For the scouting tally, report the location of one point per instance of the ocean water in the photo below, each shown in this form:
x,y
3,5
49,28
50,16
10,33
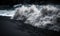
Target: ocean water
x,y
41,16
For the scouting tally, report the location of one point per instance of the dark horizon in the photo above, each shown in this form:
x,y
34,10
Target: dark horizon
x,y
13,2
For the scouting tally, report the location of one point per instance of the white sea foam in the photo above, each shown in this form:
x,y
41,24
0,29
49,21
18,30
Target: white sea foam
x,y
36,15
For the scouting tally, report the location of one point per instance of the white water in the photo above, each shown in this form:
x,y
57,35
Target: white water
x,y
36,15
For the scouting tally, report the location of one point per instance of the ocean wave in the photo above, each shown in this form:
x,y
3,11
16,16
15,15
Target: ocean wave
x,y
37,15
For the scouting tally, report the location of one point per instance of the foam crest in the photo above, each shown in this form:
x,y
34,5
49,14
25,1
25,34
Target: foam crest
x,y
38,15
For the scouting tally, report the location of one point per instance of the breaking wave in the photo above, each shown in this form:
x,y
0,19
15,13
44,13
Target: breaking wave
x,y
42,16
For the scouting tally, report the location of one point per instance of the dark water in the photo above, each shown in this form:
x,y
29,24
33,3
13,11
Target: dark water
x,y
19,28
